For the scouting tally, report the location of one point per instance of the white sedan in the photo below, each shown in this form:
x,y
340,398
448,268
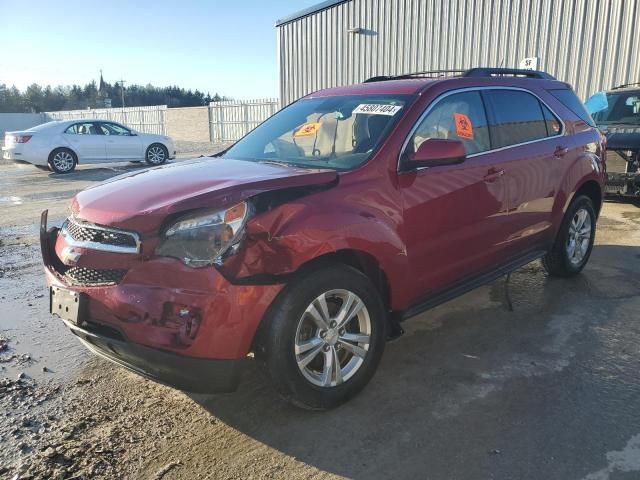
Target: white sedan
x,y
61,145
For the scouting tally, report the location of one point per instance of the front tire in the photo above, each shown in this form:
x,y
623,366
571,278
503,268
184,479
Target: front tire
x,y
63,160
156,154
323,337
574,242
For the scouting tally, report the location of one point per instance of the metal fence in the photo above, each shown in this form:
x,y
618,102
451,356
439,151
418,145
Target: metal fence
x,y
228,121
144,119
232,120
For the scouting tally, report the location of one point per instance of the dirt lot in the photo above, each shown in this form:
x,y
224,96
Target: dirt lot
x,y
472,391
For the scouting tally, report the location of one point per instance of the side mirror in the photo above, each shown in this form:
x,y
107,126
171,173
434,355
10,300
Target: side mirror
x,y
133,133
596,102
435,152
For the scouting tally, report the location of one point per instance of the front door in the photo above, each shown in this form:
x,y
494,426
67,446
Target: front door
x,y
86,140
454,215
122,144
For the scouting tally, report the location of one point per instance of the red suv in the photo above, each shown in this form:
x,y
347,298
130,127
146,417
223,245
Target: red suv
x,y
307,241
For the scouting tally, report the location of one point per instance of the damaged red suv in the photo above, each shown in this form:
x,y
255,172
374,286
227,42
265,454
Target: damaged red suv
x,y
310,239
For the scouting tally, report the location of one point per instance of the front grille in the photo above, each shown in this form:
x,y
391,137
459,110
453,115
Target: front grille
x,y
109,239
81,276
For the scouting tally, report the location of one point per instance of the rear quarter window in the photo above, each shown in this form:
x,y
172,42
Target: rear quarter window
x,y
570,100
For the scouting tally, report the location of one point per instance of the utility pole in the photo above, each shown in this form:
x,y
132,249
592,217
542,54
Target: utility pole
x,y
122,91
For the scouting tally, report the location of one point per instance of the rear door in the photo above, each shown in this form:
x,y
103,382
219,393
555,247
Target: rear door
x,y
121,143
86,139
530,148
453,214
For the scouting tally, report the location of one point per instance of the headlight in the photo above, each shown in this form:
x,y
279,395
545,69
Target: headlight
x,y
201,238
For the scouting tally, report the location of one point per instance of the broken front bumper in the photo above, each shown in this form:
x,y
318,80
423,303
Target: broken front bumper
x,y
197,375
189,328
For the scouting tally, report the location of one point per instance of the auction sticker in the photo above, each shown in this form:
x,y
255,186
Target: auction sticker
x,y
464,128
307,129
377,109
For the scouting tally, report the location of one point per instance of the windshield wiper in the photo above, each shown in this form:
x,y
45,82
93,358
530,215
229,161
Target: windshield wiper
x,y
276,162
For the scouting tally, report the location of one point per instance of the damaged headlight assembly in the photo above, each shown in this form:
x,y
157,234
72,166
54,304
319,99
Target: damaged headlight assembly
x,y
201,238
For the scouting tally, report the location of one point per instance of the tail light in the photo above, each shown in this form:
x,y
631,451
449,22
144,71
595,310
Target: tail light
x,y
21,138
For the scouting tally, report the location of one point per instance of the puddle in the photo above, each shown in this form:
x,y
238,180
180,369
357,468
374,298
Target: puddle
x,y
13,200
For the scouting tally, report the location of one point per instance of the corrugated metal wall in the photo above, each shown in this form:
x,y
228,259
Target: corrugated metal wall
x,y
592,44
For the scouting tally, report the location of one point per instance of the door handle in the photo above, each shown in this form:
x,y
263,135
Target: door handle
x,y
560,151
493,174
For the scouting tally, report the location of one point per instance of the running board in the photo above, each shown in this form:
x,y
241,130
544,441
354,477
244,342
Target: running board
x,y
465,286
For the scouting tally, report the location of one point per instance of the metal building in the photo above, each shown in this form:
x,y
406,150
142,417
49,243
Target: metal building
x,y
592,44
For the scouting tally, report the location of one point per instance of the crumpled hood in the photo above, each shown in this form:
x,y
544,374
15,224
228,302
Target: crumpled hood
x,y
622,137
141,200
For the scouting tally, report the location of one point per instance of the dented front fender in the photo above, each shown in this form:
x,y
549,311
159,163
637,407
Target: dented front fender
x,y
279,242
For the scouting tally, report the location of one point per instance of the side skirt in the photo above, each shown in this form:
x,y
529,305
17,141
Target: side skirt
x,y
469,284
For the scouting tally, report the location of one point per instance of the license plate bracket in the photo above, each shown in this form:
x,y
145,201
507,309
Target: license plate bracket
x,y
68,305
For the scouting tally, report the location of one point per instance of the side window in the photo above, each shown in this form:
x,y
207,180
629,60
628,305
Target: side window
x,y
553,124
460,116
87,128
113,129
517,117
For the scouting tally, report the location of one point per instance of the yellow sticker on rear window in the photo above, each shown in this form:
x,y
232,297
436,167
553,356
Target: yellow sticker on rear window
x,y
308,129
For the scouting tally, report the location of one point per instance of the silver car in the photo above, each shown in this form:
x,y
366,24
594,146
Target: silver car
x,y
61,145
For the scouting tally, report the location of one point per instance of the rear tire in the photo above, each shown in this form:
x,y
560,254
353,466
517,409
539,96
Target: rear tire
x,y
156,154
63,160
574,242
316,357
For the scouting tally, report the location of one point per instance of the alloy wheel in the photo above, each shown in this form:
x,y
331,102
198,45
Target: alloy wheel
x,y
63,161
156,155
333,338
579,237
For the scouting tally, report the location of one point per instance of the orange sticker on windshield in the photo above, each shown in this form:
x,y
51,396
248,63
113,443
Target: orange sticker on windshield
x,y
307,129
464,128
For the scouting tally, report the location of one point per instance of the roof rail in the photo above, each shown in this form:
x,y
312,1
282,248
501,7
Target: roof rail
x,y
624,85
490,72
473,72
404,76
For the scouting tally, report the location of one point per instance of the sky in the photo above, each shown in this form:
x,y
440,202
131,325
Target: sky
x,y
217,46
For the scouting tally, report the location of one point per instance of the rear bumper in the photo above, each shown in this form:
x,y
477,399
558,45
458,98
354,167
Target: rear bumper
x,y
197,375
18,153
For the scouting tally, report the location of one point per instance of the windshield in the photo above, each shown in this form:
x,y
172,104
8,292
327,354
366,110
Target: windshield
x,y
328,132
621,108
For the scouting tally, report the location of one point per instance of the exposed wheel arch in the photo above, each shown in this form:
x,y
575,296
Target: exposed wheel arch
x,y
591,189
358,259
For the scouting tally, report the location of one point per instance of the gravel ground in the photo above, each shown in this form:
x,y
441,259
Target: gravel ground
x,y
472,391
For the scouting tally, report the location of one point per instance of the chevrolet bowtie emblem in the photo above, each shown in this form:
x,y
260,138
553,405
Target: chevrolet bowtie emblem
x,y
69,256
